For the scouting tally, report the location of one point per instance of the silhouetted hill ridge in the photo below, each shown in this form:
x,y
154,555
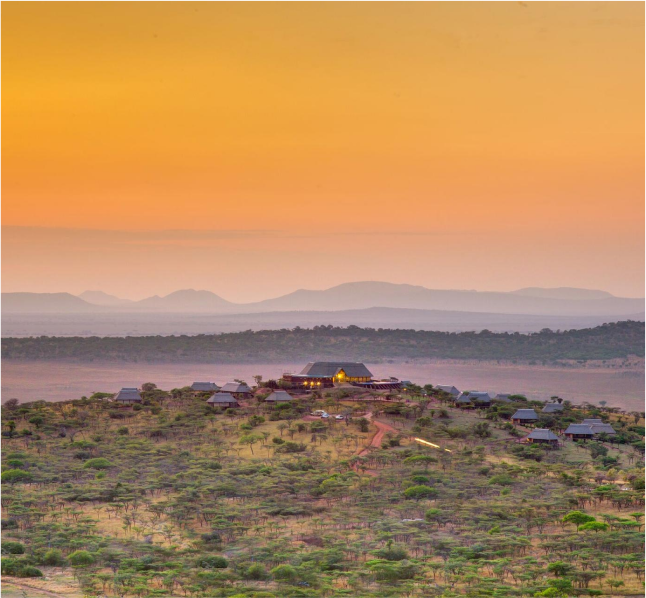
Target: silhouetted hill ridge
x,y
357,295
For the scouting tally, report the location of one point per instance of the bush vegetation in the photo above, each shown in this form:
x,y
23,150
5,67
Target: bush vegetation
x,y
609,341
264,501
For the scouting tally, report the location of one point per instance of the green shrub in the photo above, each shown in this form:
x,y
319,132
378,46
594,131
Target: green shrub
x,y
30,571
211,562
19,568
12,548
284,573
13,476
10,566
16,455
97,463
419,492
425,460
363,424
256,572
81,558
597,450
638,483
53,558
389,571
291,447
502,479
391,553
421,479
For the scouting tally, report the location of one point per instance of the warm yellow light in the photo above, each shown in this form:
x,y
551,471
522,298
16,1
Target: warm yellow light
x,y
427,443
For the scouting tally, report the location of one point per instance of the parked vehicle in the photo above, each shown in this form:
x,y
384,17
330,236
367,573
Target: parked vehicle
x,y
325,416
339,417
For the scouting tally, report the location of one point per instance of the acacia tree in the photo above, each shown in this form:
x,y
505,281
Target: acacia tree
x,y
578,518
250,440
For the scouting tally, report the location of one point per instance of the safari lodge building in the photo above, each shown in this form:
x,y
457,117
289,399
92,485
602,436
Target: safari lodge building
x,y
326,374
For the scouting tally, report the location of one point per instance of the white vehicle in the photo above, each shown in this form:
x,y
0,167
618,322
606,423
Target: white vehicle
x,y
325,415
339,417
318,412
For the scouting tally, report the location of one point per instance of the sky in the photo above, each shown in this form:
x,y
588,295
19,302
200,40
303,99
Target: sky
x,y
253,149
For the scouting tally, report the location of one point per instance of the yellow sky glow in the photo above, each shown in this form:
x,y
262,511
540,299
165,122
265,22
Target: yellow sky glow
x,y
408,117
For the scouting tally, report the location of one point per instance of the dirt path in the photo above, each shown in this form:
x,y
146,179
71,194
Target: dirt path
x,y
21,585
382,428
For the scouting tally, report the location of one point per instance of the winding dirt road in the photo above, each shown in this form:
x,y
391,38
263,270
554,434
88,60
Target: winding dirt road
x,y
378,437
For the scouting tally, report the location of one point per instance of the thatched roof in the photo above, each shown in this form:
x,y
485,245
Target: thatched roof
x,y
525,414
205,387
279,396
221,397
128,395
448,389
579,429
234,387
473,397
543,434
329,369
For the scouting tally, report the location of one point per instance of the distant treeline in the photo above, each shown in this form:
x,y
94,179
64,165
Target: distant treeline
x,y
609,341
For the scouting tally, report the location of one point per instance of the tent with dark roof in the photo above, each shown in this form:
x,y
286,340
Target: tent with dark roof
x,y
475,398
236,388
502,397
542,436
553,408
575,431
524,416
598,427
205,387
480,398
279,396
128,396
222,399
463,399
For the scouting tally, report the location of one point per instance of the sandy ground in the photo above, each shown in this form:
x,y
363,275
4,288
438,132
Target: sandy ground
x,y
56,381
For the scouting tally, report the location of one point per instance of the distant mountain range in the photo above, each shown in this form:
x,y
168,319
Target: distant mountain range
x,y
563,301
101,298
46,303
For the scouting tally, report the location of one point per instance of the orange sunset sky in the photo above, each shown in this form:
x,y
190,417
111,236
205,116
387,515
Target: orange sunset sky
x,y
255,148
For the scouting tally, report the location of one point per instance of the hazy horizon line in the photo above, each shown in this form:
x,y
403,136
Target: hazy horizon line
x,y
252,264
323,288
